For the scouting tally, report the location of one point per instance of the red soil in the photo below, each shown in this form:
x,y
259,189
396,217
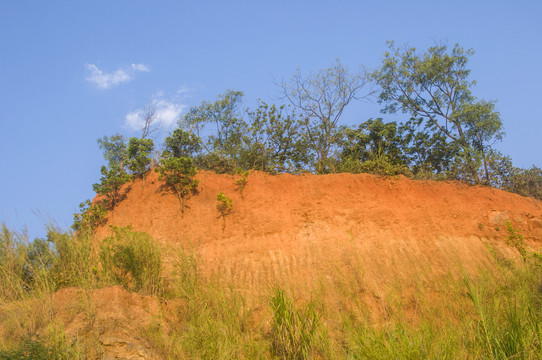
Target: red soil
x,y
307,231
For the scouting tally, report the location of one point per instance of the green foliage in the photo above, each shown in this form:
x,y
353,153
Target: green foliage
x,y
435,87
179,172
242,182
114,150
374,147
89,217
24,265
218,163
75,263
526,182
138,159
224,204
133,260
113,178
181,144
274,141
293,329
110,186
223,121
515,239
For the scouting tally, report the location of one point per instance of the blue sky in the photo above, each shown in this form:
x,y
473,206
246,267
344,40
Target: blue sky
x,y
74,71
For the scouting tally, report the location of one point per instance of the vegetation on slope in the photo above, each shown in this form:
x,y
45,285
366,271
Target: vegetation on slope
x,y
491,316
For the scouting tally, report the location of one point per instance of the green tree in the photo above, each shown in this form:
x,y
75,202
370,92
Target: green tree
x,y
526,182
110,185
428,153
179,172
322,97
374,147
274,141
223,120
138,158
181,144
114,150
436,88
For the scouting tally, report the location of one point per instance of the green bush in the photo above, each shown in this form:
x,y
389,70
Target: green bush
x,y
133,260
242,182
179,173
216,162
89,217
224,204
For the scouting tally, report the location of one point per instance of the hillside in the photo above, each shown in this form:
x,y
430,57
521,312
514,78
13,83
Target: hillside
x,y
310,231
329,267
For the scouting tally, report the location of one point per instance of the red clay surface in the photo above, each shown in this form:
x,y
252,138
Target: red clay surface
x,y
305,231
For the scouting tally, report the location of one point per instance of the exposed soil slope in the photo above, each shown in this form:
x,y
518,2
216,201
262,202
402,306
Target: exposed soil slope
x,y
307,230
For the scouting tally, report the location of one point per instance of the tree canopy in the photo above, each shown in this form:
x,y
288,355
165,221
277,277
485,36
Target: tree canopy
x,y
435,87
448,133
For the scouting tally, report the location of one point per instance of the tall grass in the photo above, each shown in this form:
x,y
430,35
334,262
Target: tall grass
x,y
30,272
497,315
133,260
294,329
205,320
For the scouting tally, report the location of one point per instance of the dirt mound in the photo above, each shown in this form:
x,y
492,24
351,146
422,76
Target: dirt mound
x,y
115,318
307,230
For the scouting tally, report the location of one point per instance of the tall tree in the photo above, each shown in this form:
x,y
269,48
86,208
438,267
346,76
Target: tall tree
x,y
139,155
222,119
436,87
322,98
114,150
274,140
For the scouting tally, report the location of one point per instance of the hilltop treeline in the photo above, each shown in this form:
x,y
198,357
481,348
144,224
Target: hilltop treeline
x,y
448,135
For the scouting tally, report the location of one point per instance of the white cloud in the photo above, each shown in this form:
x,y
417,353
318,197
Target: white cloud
x,y
167,113
140,67
106,80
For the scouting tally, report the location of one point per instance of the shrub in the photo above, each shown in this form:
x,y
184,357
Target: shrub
x,y
179,173
224,204
133,260
242,182
218,163
110,185
89,217
515,239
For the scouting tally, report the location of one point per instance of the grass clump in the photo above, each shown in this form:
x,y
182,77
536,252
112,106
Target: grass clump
x,y
293,329
133,260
